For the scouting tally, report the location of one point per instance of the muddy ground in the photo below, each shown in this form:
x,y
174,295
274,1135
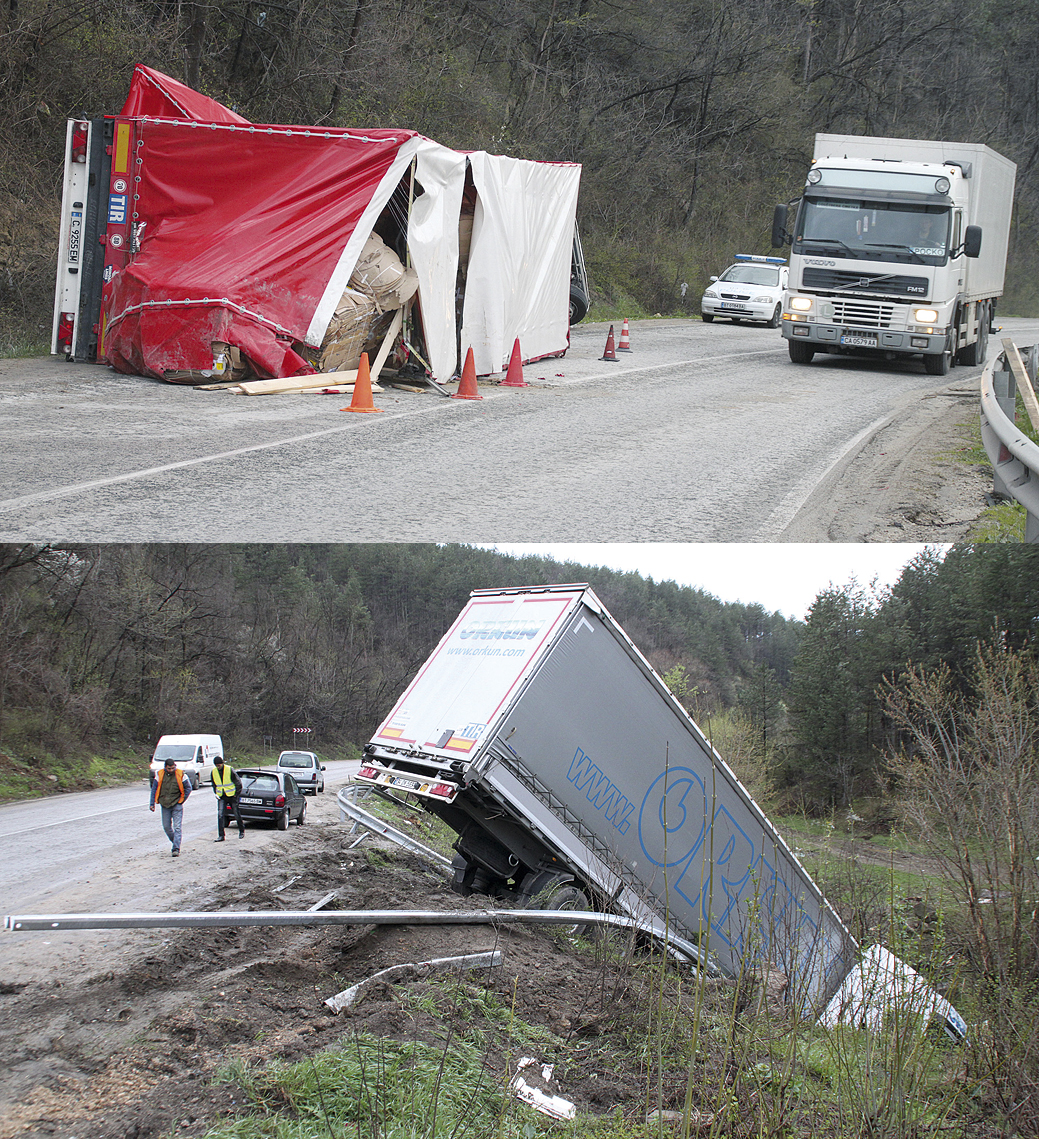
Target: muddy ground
x,y
121,1041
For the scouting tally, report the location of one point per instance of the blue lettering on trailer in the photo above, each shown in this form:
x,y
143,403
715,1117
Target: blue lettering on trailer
x,y
599,791
678,823
116,209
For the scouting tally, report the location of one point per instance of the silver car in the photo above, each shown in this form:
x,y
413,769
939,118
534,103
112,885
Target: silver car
x,y
306,770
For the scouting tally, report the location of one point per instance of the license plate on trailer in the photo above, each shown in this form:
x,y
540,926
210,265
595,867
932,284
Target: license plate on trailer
x,y
858,341
252,802
407,784
732,304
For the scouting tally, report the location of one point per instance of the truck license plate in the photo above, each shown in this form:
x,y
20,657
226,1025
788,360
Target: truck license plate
x,y
407,784
858,341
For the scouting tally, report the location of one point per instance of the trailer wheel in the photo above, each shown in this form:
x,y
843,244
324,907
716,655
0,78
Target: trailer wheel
x,y
567,897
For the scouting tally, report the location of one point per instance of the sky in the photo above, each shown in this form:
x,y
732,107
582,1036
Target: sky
x,y
781,577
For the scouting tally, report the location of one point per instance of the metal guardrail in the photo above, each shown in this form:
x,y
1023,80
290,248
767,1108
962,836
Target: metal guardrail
x,y
350,809
1014,457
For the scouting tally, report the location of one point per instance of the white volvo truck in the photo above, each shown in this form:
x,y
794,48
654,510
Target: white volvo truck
x,y
898,249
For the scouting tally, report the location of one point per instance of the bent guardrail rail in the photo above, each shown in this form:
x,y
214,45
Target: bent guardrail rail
x,y
1014,457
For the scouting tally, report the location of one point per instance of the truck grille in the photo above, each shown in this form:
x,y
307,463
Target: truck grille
x,y
865,314
864,282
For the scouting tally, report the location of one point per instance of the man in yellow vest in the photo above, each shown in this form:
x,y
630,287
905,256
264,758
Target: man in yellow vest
x,y
227,787
169,789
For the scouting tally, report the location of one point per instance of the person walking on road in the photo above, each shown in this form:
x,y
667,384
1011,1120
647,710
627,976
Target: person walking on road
x,y
227,787
169,790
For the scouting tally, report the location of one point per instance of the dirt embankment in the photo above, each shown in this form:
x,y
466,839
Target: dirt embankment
x,y
123,1043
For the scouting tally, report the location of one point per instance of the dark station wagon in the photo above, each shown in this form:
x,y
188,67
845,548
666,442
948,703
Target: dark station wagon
x,y
269,795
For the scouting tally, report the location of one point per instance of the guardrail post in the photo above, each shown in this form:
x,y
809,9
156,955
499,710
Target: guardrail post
x,y
1005,387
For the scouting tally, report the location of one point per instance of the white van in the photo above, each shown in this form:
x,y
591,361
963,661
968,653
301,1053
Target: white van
x,y
195,756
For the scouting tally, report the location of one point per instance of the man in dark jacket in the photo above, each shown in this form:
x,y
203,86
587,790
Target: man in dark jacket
x,y
170,789
227,787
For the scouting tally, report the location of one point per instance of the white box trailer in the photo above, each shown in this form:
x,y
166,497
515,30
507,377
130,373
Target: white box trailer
x,y
898,248
544,738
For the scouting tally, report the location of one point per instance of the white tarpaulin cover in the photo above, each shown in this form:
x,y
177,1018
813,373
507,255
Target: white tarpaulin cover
x,y
519,265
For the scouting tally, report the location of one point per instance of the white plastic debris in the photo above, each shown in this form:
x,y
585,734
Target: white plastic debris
x,y
537,1089
465,961
883,984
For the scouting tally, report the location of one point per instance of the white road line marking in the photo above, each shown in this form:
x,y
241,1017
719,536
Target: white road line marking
x,y
11,504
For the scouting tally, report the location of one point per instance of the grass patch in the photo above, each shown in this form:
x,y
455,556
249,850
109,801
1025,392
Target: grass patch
x,y
32,775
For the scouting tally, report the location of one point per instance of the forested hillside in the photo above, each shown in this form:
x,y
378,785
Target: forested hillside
x,y
108,647
691,121
104,648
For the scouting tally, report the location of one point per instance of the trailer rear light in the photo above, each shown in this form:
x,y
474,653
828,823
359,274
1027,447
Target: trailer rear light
x,y
368,773
444,790
66,326
79,142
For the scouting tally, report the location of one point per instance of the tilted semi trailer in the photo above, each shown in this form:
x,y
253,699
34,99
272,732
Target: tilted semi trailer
x,y
574,779
898,248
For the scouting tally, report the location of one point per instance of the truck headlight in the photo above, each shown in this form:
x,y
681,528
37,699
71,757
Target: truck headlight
x,y
925,316
801,304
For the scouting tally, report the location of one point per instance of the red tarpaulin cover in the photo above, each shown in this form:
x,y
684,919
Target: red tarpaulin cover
x,y
240,250
159,96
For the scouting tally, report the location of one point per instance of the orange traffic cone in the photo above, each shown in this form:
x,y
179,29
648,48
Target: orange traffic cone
x,y
625,342
467,384
362,400
611,351
514,376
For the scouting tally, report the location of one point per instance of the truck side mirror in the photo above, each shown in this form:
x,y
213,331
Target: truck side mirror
x,y
972,241
779,234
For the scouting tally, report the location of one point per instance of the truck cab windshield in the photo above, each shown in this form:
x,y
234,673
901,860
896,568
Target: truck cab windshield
x,y
873,231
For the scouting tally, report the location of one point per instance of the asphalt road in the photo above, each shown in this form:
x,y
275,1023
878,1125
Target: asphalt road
x,y
701,433
65,853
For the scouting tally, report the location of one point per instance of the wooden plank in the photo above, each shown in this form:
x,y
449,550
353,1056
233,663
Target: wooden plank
x,y
1024,384
298,383
387,344
322,380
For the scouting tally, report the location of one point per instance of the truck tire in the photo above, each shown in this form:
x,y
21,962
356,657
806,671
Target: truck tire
x,y
974,354
800,353
566,897
578,304
938,365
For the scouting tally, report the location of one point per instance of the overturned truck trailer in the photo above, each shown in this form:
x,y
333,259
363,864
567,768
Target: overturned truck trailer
x,y
571,774
195,244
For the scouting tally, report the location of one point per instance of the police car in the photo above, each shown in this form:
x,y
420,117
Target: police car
x,y
752,289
